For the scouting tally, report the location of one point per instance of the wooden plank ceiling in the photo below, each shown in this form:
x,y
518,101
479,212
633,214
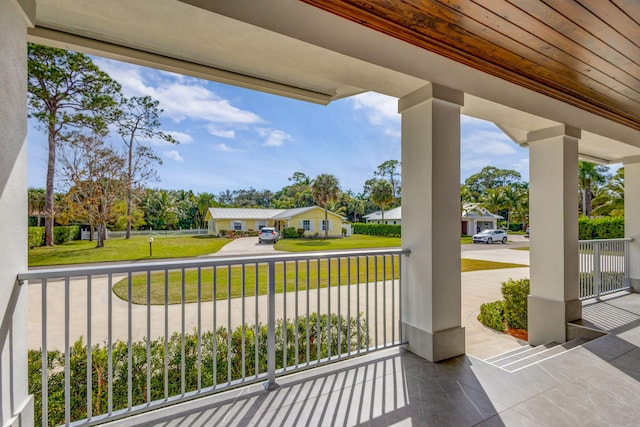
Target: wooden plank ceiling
x,y
583,52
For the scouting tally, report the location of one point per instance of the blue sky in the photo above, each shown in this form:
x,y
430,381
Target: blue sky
x,y
234,138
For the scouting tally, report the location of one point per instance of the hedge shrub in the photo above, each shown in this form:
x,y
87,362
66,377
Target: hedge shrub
x,y
290,233
610,227
35,237
61,234
515,294
353,336
377,229
492,315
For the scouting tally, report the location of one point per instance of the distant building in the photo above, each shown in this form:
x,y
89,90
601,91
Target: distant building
x,y
474,218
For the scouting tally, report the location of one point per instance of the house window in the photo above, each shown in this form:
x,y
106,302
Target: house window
x,y
324,225
306,224
237,225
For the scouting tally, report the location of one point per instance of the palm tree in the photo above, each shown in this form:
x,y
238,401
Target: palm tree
x,y
511,200
590,174
492,200
381,194
325,188
610,200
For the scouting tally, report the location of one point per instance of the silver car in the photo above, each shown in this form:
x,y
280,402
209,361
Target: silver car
x,y
268,234
490,236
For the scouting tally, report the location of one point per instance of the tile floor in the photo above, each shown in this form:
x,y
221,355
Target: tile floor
x,y
595,384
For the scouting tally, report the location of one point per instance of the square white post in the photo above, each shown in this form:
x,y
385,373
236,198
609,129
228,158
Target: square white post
x,y
431,298
16,407
553,213
632,219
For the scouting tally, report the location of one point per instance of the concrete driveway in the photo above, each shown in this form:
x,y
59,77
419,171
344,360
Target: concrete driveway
x,y
246,246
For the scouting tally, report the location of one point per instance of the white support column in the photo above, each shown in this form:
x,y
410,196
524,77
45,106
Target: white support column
x,y
16,408
553,201
431,299
632,218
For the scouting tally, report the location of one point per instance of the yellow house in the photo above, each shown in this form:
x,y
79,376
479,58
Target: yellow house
x,y
310,219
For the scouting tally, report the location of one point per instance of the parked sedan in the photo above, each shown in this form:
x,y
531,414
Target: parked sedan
x,y
268,234
490,236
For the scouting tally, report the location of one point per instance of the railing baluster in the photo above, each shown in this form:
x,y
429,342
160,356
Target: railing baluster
x,y
308,315
67,355
375,296
384,300
89,355
597,278
255,328
358,301
339,329
284,315
318,323
166,334
110,344
129,339
349,305
244,332
271,328
44,357
296,313
182,330
229,330
215,326
329,308
367,300
199,328
148,337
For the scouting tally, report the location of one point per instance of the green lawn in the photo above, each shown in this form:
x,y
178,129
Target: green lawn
x,y
356,241
136,248
230,282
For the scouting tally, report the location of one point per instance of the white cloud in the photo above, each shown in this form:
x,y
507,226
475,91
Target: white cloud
x,y
378,108
275,137
181,137
230,134
223,147
395,133
174,155
180,98
488,142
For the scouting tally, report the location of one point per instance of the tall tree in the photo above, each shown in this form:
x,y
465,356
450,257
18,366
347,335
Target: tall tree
x,y
139,122
491,177
590,175
94,174
67,92
390,170
610,199
205,201
325,188
160,210
382,194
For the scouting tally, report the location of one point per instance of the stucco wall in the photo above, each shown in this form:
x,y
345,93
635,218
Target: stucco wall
x,y
16,406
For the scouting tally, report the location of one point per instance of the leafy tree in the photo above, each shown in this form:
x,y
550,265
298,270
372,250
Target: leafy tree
x,y
325,188
67,92
511,200
205,201
36,203
160,210
138,122
609,200
491,177
382,194
590,175
492,200
390,171
96,182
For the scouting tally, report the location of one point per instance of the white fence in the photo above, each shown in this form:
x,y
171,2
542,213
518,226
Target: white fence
x,y
157,233
604,267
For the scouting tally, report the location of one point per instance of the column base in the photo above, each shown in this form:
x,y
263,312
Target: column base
x,y
435,346
635,285
24,416
548,319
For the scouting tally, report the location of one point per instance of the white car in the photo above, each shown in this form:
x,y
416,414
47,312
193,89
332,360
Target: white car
x,y
268,234
490,236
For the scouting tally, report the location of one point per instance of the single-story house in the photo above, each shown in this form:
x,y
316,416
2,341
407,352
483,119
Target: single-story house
x,y
474,218
392,216
310,218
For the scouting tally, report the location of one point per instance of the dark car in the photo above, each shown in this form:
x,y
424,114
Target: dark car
x,y
268,234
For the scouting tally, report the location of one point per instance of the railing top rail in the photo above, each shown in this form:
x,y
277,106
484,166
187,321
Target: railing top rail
x,y
132,267
625,239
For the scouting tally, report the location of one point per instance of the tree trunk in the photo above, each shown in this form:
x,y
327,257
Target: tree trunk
x,y
101,233
129,185
49,212
382,214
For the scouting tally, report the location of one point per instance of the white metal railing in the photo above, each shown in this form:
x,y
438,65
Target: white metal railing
x,y
285,313
604,267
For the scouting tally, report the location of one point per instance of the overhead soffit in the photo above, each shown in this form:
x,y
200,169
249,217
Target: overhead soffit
x,y
583,52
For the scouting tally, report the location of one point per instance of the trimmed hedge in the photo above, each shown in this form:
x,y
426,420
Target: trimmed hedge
x,y
35,237
352,337
377,229
492,315
610,227
515,294
290,233
61,234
